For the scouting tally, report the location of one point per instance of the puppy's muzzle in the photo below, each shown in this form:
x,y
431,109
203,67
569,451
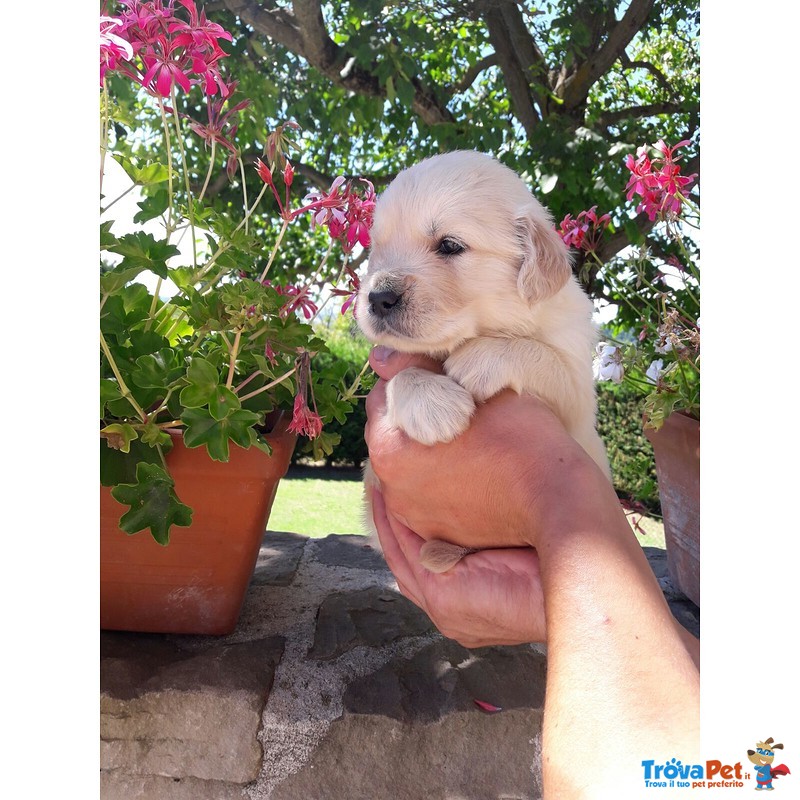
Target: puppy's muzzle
x,y
382,304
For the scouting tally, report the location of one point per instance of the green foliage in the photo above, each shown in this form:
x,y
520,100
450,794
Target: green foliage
x,y
153,503
214,359
380,87
619,423
347,347
410,80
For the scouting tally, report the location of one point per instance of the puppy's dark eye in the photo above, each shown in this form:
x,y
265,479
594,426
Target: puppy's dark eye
x,y
449,247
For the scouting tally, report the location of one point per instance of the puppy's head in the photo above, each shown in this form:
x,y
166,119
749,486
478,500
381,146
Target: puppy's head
x,y
460,248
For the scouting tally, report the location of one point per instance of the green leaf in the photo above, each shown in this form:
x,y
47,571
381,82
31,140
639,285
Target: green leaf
x,y
143,176
203,429
157,370
223,402
153,503
152,207
406,92
203,380
153,436
115,279
107,239
150,174
109,391
119,435
141,249
118,467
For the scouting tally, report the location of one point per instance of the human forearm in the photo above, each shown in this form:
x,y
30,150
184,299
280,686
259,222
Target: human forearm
x,y
618,669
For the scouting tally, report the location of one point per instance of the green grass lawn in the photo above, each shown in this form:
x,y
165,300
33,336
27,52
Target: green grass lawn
x,y
317,506
317,502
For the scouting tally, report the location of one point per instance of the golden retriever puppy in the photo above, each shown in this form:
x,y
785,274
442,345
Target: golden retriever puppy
x,y
467,267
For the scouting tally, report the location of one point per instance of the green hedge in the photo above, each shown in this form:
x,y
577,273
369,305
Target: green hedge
x,y
619,423
346,344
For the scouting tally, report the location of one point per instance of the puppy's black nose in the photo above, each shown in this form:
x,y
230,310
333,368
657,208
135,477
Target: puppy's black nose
x,y
382,303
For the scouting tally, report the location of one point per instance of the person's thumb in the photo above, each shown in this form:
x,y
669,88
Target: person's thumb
x,y
387,362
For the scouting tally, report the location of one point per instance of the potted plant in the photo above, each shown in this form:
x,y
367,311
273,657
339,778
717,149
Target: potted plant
x,y
206,355
655,342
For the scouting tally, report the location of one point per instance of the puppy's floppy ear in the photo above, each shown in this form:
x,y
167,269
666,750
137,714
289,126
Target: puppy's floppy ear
x,y
546,265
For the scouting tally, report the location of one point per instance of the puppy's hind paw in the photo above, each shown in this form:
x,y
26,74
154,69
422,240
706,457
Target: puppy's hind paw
x,y
439,556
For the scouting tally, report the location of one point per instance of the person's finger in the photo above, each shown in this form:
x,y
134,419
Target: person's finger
x,y
394,556
376,400
387,362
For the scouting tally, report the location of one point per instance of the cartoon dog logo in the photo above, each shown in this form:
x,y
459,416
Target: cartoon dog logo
x,y
762,757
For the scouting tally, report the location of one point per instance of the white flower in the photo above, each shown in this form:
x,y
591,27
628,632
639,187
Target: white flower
x,y
654,370
607,364
667,346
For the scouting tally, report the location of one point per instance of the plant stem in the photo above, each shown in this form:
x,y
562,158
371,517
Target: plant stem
x,y
234,353
152,313
270,385
185,165
350,393
168,146
244,193
210,170
124,390
274,250
246,381
335,283
116,199
103,134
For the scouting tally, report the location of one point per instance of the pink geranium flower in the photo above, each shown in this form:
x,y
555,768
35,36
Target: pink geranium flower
x,y
164,68
219,128
659,182
346,213
585,231
113,47
305,422
172,49
351,292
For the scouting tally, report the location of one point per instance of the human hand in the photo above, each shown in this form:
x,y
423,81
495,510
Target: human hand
x,y
490,597
513,473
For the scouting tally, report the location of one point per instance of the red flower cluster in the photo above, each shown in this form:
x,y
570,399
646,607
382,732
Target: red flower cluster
x,y
585,231
351,292
219,128
305,422
113,48
173,50
658,182
299,300
347,215
342,210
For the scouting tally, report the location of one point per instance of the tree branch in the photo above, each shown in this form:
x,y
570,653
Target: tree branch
x,y
469,77
651,68
302,31
636,112
515,78
577,86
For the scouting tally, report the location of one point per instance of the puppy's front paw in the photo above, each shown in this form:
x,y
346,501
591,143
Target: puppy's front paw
x,y
430,408
484,366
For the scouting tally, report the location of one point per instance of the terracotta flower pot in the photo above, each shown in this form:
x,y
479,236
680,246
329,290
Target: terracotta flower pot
x,y
197,583
677,450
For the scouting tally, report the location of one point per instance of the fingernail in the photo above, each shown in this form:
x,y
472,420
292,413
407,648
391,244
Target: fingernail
x,y
381,353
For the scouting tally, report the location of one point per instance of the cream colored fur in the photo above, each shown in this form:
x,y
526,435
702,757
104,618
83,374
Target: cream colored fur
x,y
506,312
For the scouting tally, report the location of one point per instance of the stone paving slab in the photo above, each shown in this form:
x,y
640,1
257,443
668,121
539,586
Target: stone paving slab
x,y
332,687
